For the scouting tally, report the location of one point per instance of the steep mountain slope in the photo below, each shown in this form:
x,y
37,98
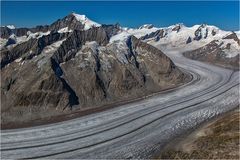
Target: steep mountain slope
x,y
74,64
224,52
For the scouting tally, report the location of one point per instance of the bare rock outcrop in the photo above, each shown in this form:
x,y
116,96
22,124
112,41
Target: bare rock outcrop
x,y
218,52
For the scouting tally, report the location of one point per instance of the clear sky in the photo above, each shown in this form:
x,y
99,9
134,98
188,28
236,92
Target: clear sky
x,y
224,14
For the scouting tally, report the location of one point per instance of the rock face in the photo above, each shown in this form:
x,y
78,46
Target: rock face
x,y
157,35
29,49
189,40
234,37
79,69
201,32
223,52
177,28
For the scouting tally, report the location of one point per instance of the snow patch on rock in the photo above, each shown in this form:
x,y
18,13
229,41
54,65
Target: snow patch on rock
x,y
47,52
233,50
64,30
36,34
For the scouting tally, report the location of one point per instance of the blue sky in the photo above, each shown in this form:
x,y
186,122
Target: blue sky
x,y
224,14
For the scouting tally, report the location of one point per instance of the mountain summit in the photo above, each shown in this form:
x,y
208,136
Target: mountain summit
x,y
84,20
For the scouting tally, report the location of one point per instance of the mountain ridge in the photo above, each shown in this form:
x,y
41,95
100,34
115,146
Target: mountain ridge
x,y
59,71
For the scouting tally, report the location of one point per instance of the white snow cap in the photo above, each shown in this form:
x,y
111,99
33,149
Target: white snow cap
x,y
11,26
87,22
147,26
64,30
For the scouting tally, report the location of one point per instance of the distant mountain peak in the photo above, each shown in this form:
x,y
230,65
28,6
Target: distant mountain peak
x,y
147,26
79,16
85,20
11,26
179,24
177,27
203,25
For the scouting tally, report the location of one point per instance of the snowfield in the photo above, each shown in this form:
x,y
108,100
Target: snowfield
x,y
173,39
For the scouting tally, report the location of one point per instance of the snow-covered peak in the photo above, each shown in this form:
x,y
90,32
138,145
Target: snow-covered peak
x,y
147,26
11,26
80,17
181,25
193,37
176,34
86,21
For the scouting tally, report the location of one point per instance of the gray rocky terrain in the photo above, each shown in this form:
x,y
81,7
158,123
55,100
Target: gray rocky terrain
x,y
216,52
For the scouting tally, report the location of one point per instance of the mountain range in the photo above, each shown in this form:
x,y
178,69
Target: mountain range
x,y
78,64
